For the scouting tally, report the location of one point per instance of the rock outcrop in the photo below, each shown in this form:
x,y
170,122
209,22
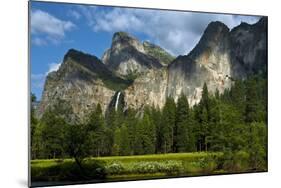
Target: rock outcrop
x,y
129,57
82,81
208,62
132,74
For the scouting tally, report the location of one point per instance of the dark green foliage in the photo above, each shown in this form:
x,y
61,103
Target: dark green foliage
x,y
78,143
52,135
125,148
96,130
68,171
256,146
145,135
233,122
251,110
33,125
184,140
168,126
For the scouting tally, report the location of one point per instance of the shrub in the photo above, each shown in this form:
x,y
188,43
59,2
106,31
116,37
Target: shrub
x,y
205,165
146,167
168,167
68,171
114,168
235,162
173,167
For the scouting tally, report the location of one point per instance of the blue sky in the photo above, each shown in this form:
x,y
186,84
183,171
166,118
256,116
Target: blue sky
x,y
57,27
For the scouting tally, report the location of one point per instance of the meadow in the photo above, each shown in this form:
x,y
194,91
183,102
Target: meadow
x,y
116,168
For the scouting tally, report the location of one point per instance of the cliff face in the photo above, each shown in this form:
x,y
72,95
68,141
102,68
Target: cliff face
x,y
220,57
249,48
82,82
134,74
127,56
208,62
148,89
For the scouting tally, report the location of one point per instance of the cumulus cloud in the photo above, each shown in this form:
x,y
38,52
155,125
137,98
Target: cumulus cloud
x,y
39,41
53,67
76,15
178,32
38,80
47,28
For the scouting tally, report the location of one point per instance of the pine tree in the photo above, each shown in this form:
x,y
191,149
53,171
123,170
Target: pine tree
x,y
33,126
131,122
96,128
149,136
117,141
125,148
138,143
182,123
53,134
168,125
252,108
156,119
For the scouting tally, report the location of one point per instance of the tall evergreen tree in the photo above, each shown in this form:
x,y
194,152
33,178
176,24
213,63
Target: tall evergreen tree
x,y
96,128
182,125
53,135
131,122
168,125
149,136
251,110
156,118
117,141
125,148
33,126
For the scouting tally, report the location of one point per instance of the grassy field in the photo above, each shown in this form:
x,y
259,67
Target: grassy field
x,y
126,167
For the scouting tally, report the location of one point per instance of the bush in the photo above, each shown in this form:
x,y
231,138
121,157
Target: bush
x,y
204,165
173,167
146,167
235,162
168,167
114,168
68,171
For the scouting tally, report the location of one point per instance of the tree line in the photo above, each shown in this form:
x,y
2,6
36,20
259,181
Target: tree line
x,y
230,122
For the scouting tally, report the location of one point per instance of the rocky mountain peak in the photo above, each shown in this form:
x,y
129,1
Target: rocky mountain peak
x,y
127,56
130,73
122,36
121,40
216,26
82,58
214,38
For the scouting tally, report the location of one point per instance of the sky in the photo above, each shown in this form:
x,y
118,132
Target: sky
x,y
57,27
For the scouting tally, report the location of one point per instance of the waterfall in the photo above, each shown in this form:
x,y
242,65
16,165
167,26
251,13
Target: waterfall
x,y
116,103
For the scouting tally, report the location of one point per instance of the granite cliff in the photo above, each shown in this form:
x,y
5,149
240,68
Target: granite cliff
x,y
141,73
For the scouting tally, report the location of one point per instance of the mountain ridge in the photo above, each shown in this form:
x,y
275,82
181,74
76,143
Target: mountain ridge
x,y
142,77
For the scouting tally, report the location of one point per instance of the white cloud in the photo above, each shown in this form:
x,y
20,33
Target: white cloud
x,y
47,28
38,80
39,41
76,15
53,67
173,30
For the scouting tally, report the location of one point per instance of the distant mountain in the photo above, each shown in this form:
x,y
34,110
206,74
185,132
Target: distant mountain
x,y
157,52
135,74
220,57
83,81
129,57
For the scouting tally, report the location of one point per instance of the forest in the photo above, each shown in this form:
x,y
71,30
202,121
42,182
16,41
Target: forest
x,y
233,124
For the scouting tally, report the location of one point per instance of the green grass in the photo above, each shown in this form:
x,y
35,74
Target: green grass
x,y
126,167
